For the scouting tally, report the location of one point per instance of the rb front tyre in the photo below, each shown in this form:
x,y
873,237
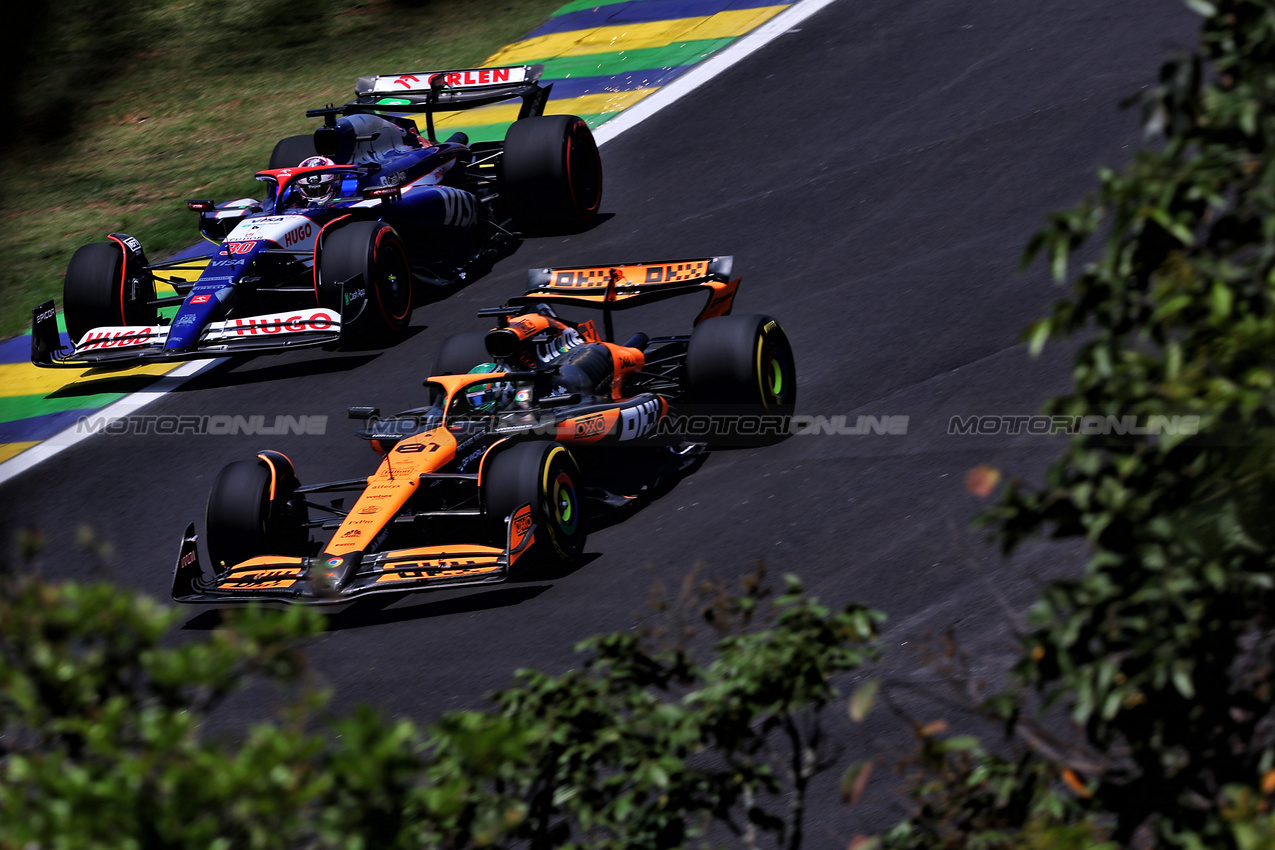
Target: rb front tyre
x,y
105,286
363,273
291,151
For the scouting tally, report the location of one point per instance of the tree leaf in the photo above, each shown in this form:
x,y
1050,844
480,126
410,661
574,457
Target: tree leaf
x,y
854,781
862,699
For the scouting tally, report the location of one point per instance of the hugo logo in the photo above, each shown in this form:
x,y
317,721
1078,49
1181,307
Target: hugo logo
x,y
296,235
106,339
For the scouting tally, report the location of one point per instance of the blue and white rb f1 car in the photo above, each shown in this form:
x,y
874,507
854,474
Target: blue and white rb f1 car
x,y
356,219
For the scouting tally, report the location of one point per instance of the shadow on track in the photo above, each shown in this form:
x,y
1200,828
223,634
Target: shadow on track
x,y
376,610
233,372
647,478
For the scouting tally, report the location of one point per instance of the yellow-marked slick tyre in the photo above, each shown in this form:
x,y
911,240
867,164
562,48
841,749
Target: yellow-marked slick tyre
x,y
242,519
741,370
104,286
370,259
544,475
459,353
551,174
291,151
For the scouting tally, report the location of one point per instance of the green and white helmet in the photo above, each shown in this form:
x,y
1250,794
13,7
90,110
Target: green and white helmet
x,y
489,397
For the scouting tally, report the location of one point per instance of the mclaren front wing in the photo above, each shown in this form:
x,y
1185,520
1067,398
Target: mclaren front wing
x,y
328,579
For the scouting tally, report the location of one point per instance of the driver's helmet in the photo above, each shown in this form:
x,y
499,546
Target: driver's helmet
x,y
318,188
489,397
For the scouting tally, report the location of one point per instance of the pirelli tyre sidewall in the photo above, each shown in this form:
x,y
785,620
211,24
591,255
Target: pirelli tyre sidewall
x,y
292,151
544,475
250,513
551,174
107,284
370,259
740,372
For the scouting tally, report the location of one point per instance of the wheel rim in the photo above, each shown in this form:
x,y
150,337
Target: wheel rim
x,y
393,281
582,173
773,373
776,378
565,510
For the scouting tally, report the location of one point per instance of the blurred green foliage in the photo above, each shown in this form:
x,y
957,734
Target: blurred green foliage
x,y
1156,661
103,741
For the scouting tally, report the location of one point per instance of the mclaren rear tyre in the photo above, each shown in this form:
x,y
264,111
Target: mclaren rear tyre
x,y
363,272
740,368
250,514
551,174
106,286
544,475
290,152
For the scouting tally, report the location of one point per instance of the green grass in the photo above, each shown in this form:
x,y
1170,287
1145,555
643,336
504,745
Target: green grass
x,y
174,100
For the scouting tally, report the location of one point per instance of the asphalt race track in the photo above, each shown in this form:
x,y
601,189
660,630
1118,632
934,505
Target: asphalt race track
x,y
876,174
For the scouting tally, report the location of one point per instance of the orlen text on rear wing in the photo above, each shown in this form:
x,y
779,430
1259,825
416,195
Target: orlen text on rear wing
x,y
446,91
623,285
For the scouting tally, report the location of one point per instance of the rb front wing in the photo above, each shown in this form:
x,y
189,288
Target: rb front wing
x,y
145,344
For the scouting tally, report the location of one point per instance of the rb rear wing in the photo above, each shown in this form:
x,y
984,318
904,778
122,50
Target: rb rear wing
x,y
451,90
620,286
446,91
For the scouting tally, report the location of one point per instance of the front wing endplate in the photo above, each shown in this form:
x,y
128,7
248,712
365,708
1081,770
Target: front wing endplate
x,y
291,579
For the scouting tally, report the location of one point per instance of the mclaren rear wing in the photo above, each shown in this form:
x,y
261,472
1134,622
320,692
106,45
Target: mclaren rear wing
x,y
620,286
324,580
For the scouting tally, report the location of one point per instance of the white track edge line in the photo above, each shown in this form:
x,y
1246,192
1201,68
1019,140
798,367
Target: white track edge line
x,y
735,52
126,406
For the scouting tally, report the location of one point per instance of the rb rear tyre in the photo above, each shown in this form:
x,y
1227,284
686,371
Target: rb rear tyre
x,y
551,174
290,151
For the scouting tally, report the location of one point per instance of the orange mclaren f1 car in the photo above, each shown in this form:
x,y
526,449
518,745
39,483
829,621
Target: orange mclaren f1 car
x,y
486,478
